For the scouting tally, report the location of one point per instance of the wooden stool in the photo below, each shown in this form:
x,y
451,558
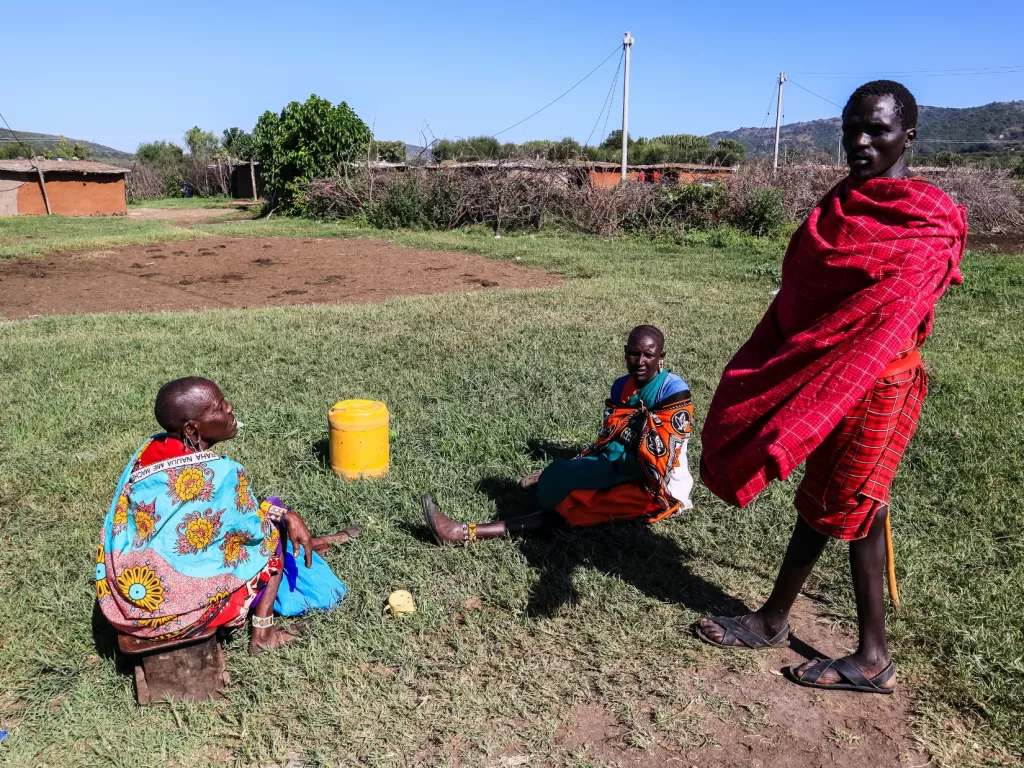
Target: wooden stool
x,y
191,669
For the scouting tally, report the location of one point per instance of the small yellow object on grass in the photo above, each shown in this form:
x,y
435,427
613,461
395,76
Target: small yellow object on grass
x,y
359,439
400,602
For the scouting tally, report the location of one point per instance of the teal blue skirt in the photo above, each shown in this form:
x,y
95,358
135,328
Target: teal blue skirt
x,y
563,476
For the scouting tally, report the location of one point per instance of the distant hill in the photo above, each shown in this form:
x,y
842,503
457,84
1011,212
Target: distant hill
x,y
990,128
44,140
414,152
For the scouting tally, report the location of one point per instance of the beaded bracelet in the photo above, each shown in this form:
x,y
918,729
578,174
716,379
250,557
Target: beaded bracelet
x,y
273,512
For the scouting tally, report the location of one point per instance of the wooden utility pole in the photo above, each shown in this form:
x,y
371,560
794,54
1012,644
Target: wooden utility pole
x,y
778,118
42,186
627,43
252,175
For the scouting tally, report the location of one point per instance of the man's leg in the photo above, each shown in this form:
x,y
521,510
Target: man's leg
x,y
805,546
867,563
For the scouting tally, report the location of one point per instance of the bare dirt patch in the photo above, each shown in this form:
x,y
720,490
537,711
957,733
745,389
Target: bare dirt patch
x,y
245,272
1006,242
738,710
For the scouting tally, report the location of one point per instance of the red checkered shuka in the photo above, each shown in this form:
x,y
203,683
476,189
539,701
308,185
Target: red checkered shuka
x,y
848,476
860,279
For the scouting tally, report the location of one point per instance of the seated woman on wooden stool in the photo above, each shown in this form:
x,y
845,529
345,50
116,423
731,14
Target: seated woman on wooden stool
x,y
637,469
186,548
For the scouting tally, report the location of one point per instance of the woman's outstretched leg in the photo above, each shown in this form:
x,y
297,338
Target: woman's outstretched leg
x,y
447,530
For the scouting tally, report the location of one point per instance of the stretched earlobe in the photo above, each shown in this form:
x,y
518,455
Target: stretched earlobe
x,y
191,438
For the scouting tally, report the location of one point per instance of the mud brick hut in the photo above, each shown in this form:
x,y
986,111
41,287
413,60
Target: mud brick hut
x,y
606,175
65,187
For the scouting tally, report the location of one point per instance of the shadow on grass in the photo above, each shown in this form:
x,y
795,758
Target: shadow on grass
x,y
549,450
105,638
322,453
632,551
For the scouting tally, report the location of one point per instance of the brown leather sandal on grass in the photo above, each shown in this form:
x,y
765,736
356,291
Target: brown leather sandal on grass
x,y
748,639
850,678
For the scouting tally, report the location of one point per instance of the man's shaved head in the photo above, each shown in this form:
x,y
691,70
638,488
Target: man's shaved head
x,y
184,400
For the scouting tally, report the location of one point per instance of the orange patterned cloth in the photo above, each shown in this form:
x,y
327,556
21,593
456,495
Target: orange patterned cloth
x,y
658,438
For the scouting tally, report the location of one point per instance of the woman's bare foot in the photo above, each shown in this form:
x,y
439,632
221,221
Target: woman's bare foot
x,y
443,527
268,639
529,481
323,543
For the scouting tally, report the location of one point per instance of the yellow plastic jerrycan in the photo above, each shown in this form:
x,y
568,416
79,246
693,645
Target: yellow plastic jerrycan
x,y
359,439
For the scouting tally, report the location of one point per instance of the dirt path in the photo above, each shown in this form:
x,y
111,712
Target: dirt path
x,y
245,272
741,712
186,217
1009,242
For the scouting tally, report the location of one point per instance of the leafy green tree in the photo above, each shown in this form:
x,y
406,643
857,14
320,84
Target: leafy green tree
x,y
201,143
614,140
388,151
727,152
308,140
685,147
237,143
566,149
67,150
13,149
159,153
473,148
949,159
649,153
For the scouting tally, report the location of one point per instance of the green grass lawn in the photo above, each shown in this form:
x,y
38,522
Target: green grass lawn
x,y
37,235
186,203
477,386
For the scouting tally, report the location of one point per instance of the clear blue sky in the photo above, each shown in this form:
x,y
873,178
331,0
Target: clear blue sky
x,y
124,72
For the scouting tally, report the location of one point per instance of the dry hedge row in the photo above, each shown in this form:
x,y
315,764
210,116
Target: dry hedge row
x,y
148,181
754,199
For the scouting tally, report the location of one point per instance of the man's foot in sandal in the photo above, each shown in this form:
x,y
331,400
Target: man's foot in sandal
x,y
846,674
750,632
444,529
323,543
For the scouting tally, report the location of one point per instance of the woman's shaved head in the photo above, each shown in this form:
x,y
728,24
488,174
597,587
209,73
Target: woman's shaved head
x,y
183,400
647,332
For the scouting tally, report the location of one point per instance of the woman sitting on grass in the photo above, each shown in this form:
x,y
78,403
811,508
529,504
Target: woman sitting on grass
x,y
636,470
186,548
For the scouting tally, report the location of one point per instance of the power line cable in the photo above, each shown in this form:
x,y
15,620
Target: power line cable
x,y
768,111
578,82
1002,70
729,66
794,82
1008,69
607,105
607,117
26,146
970,141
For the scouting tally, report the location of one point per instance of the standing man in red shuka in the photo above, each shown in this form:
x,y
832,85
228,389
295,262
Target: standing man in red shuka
x,y
832,375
